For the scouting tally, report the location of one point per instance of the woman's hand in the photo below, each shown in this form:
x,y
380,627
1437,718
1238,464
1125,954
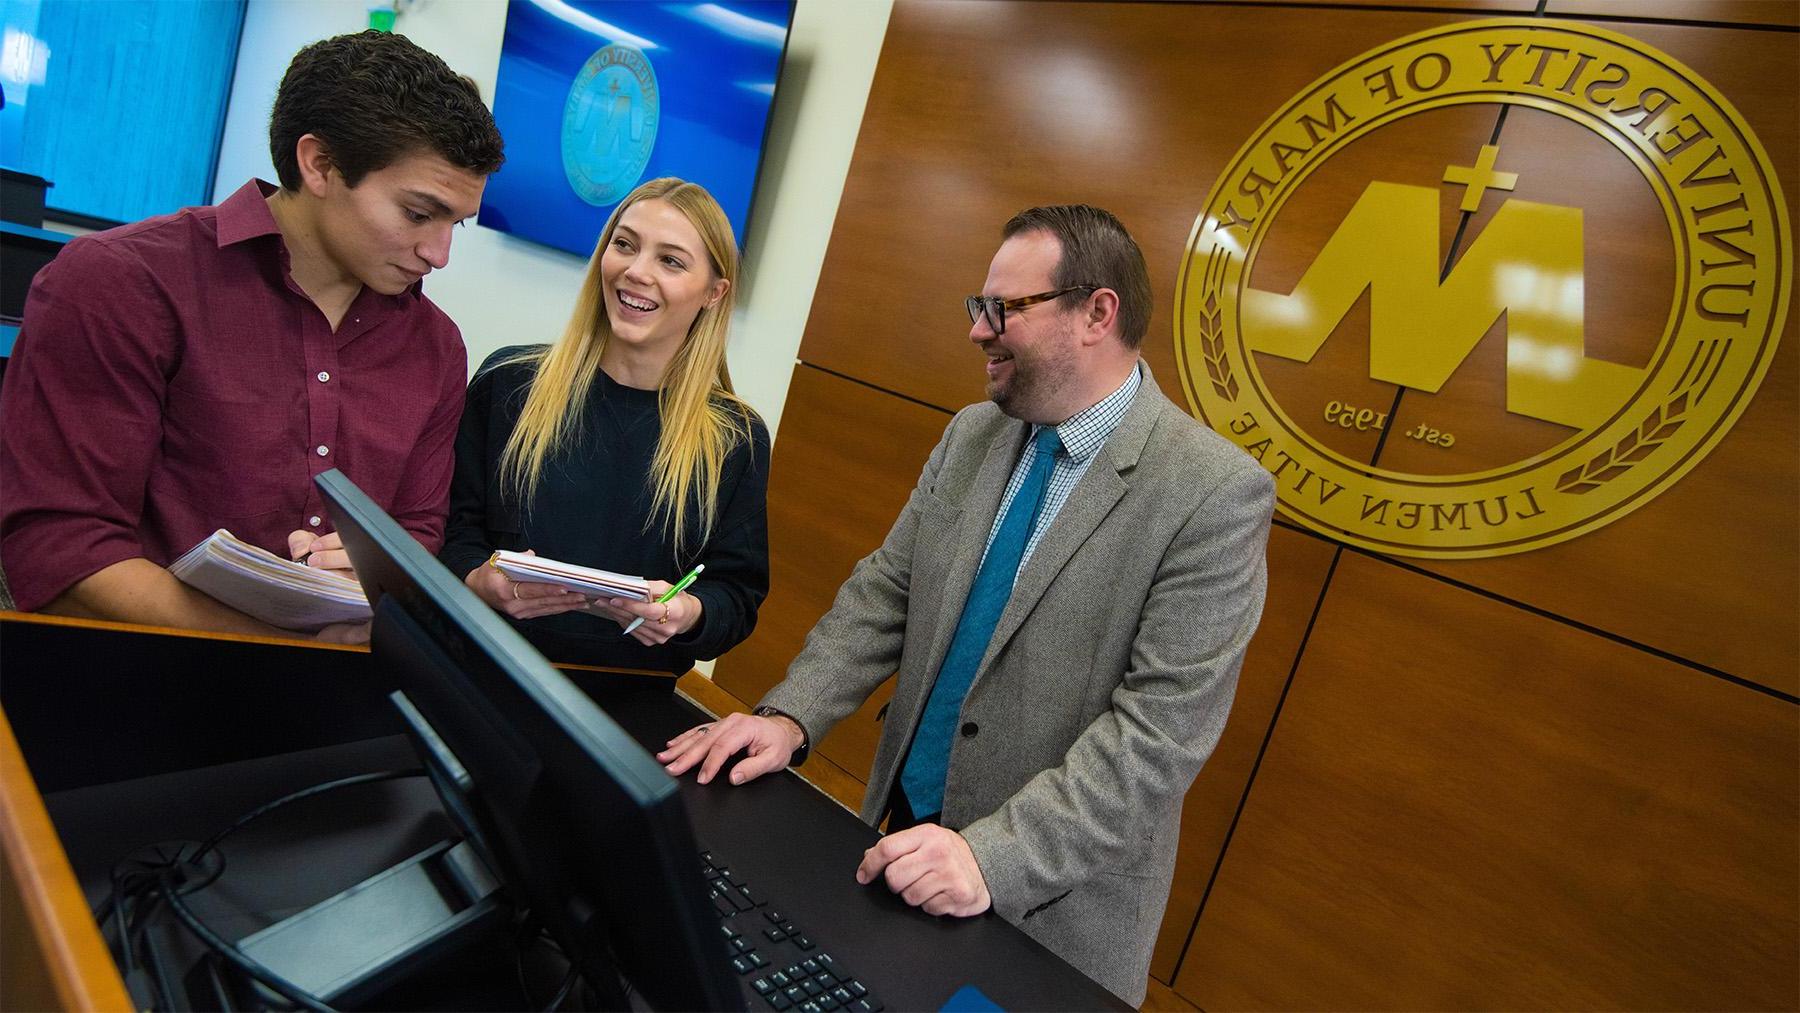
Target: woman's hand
x,y
662,620
519,599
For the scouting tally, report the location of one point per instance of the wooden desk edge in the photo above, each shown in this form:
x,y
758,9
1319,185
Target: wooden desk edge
x,y
43,619
76,959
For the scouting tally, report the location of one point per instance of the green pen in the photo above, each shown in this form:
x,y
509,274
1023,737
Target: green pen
x,y
669,595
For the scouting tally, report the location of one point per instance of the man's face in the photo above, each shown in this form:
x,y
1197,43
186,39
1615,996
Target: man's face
x,y
393,227
1033,367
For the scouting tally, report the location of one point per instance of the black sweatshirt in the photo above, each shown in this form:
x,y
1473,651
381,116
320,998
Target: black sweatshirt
x,y
590,508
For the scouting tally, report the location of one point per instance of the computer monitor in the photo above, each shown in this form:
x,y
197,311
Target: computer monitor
x,y
581,824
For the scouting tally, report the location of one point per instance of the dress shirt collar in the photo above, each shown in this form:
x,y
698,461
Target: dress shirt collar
x,y
1087,429
246,215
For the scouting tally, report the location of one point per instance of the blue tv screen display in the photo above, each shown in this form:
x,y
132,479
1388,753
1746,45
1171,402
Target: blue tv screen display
x,y
594,98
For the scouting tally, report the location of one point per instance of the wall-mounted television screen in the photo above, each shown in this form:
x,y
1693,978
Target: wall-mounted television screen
x,y
594,98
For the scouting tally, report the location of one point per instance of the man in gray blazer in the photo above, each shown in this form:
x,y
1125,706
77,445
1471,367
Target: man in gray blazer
x,y
1066,597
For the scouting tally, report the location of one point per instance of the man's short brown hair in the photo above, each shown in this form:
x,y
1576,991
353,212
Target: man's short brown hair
x,y
375,98
1096,250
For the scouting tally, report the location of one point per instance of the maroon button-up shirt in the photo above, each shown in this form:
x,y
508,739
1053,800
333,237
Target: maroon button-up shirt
x,y
170,378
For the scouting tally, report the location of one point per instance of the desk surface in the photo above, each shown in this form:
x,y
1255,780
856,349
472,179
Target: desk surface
x,y
286,716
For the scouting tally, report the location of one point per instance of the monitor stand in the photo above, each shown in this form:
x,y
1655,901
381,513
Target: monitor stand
x,y
349,949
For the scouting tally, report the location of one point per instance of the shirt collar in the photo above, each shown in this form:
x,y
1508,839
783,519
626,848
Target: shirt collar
x,y
246,215
1087,429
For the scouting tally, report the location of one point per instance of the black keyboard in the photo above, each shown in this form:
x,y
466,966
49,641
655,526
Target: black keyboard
x,y
781,967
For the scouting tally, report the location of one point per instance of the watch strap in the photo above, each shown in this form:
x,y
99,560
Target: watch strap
x,y
805,749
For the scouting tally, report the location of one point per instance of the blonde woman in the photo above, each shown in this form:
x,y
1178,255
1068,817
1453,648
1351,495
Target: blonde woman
x,y
622,446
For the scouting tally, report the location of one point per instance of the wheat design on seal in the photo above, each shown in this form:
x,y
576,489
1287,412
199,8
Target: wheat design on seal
x,y
1212,332
1662,422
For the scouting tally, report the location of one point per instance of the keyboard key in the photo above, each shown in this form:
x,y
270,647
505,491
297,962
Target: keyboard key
x,y
775,935
804,943
856,988
764,986
810,966
790,928
757,959
826,1002
747,895
739,901
740,944
826,980
781,979
778,1002
868,1005
722,905
775,916
794,993
809,1007
743,966
813,988
823,958
840,993
794,972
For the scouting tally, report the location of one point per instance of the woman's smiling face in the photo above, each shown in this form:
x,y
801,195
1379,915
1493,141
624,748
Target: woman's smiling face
x,y
656,276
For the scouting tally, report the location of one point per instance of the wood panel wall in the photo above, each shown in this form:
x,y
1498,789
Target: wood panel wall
x,y
1565,778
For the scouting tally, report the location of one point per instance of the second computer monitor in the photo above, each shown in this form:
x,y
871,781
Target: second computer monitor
x,y
579,821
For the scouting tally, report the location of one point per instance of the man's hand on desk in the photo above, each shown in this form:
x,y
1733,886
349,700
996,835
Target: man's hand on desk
x,y
931,868
768,744
321,552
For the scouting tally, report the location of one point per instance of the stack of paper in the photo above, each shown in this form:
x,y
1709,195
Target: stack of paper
x,y
585,580
278,591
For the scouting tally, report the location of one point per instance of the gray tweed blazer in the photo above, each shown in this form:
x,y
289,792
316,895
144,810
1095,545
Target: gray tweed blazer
x,y
1107,682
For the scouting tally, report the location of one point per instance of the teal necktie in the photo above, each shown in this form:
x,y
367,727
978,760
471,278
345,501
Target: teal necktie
x,y
922,778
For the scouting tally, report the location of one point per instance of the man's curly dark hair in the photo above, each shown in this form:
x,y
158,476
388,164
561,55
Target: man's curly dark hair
x,y
375,98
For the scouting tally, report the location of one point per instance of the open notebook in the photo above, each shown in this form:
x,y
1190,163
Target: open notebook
x,y
278,591
583,579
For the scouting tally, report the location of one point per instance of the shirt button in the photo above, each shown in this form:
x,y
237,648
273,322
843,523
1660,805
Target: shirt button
x,y
323,450
970,728
324,377
313,521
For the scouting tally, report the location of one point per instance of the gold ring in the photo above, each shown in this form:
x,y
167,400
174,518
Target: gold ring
x,y
665,616
515,587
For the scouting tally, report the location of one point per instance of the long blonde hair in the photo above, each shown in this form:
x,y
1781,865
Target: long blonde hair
x,y
702,418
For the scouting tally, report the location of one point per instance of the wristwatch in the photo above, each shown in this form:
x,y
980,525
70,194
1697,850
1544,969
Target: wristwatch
x,y
800,754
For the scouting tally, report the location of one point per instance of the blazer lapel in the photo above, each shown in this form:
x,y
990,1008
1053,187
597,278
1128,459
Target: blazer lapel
x,y
1099,490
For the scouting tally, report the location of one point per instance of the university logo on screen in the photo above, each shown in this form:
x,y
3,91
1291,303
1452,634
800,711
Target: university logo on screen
x,y
1423,297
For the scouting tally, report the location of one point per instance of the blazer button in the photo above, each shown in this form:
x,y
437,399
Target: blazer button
x,y
970,729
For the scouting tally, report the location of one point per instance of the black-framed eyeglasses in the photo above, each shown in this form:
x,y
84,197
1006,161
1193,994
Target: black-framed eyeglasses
x,y
995,308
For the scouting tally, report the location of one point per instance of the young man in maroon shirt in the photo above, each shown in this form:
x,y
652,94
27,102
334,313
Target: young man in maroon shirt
x,y
194,371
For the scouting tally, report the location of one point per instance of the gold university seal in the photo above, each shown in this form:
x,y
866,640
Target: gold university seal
x,y
1505,402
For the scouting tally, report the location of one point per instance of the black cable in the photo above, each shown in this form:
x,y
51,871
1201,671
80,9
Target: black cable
x,y
259,812
568,985
125,959
133,895
255,969
105,908
159,974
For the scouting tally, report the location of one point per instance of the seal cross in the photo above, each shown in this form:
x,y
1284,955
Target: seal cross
x,y
1480,177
